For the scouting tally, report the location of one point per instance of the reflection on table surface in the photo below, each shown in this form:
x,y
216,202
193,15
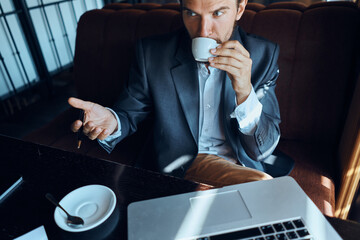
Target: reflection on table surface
x,y
58,172
49,170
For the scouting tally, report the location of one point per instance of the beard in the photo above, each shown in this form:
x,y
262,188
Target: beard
x,y
231,35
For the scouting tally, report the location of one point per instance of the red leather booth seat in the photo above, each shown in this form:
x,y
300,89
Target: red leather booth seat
x,y
319,58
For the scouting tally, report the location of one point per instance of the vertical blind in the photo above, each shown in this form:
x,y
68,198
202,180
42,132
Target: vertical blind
x,y
54,23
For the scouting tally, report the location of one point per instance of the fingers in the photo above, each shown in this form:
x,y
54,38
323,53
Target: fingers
x,y
234,59
93,132
226,61
231,57
104,134
230,54
98,122
76,126
231,51
89,129
80,104
232,70
234,45
231,65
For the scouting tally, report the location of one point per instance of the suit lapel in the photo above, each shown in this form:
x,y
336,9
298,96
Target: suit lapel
x,y
185,77
229,104
186,82
228,98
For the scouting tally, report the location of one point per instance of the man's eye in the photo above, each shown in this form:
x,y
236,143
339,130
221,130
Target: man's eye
x,y
218,13
190,13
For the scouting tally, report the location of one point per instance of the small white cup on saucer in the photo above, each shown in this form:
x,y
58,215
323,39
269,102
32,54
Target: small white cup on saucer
x,y
201,48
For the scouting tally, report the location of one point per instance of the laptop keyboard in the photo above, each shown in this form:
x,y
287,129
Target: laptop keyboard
x,y
286,230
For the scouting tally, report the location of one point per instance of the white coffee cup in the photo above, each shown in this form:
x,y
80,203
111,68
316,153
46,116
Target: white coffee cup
x,y
201,48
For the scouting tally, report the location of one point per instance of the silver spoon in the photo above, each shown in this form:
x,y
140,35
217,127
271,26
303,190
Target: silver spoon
x,y
71,221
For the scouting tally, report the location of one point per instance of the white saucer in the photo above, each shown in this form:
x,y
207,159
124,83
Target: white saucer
x,y
93,203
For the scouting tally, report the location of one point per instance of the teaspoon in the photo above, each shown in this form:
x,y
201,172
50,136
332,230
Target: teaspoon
x,y
72,221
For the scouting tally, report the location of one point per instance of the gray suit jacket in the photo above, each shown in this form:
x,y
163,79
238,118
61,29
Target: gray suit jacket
x,y
163,84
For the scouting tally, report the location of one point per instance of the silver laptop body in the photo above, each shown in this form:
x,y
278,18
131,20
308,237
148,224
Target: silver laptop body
x,y
272,209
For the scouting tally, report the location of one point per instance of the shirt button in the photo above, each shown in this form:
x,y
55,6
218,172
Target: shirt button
x,y
208,106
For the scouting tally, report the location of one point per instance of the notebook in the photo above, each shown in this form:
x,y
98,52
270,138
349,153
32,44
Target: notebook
x,y
271,209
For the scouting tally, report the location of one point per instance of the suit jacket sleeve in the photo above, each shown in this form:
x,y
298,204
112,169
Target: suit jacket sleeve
x,y
262,143
134,103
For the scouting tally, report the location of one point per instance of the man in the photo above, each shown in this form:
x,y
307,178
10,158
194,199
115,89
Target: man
x,y
213,123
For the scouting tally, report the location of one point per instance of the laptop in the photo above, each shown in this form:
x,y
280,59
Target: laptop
x,y
272,209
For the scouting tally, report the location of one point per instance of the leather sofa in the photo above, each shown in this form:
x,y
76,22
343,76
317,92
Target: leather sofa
x,y
319,69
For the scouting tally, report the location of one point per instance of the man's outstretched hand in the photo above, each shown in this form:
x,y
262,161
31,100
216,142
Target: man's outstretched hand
x,y
99,122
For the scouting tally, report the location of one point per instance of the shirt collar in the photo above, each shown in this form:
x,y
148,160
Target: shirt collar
x,y
206,70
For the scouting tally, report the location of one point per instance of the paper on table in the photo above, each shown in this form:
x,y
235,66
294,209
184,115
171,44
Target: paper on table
x,y
38,234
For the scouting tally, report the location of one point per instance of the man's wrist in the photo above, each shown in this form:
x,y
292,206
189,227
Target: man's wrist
x,y
242,96
117,130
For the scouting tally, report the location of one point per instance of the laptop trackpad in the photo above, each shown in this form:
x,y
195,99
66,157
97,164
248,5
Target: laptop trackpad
x,y
220,208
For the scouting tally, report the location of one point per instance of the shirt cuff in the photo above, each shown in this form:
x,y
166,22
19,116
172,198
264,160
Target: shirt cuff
x,y
248,114
110,142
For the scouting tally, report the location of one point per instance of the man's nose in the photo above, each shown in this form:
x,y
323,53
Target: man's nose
x,y
205,28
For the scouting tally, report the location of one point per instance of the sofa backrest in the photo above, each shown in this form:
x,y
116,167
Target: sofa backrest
x,y
104,45
318,54
319,57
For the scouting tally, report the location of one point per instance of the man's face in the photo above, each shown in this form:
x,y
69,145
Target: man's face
x,y
212,18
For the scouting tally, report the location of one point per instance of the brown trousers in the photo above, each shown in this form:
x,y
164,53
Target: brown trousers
x,y
218,172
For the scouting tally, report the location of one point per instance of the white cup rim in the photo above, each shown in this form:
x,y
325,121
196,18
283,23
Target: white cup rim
x,y
205,38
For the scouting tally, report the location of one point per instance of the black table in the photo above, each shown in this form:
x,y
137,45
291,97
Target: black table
x,y
46,169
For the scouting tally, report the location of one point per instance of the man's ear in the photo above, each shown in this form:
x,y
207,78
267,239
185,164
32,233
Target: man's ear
x,y
241,9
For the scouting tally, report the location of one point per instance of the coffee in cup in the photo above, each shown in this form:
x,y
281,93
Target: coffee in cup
x,y
201,48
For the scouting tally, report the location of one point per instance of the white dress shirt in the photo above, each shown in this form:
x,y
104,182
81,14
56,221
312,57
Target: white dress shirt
x,y
211,128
